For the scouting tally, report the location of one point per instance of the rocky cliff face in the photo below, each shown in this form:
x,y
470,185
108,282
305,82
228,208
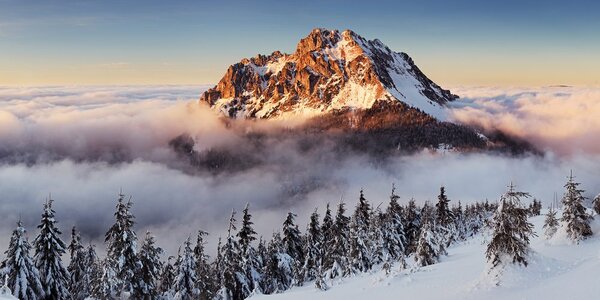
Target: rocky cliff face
x,y
329,71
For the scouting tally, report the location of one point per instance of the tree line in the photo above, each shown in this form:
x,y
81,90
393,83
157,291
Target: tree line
x,y
336,245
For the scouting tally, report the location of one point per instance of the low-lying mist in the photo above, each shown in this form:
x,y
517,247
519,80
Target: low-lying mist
x,y
84,144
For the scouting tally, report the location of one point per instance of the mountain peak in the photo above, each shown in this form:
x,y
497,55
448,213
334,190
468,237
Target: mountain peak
x,y
330,70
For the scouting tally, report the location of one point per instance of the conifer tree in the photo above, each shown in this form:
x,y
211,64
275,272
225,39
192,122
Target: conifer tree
x,y
148,274
427,251
233,280
444,216
574,216
510,231
167,279
292,245
327,238
360,246
91,275
390,236
48,251
251,263
122,247
412,225
205,281
313,249
278,268
596,204
77,267
185,280
550,223
393,239
106,286
337,260
23,277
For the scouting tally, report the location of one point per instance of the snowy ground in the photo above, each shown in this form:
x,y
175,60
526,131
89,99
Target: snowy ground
x,y
557,270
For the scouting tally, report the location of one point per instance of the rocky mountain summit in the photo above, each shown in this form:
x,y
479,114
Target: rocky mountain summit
x,y
329,71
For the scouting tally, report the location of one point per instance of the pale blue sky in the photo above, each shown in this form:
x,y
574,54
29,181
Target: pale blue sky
x,y
454,42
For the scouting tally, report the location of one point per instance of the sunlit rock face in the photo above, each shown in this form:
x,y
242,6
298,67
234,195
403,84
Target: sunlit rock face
x,y
329,71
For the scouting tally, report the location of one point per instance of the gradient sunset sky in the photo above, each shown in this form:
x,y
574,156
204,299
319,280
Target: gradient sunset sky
x,y
192,42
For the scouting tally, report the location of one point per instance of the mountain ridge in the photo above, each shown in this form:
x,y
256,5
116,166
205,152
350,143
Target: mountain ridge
x,y
329,70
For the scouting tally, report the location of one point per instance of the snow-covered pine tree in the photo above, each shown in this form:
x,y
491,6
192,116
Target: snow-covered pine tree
x,y
48,251
427,251
76,266
327,238
184,285
336,258
459,222
251,262
233,283
148,275
22,276
91,275
106,285
412,224
393,237
596,204
313,249
205,282
535,208
167,279
510,231
574,216
445,218
278,274
360,243
293,246
550,223
122,246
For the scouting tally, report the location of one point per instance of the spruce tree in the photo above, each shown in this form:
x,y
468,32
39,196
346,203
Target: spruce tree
x,y
412,225
336,258
427,251
205,282
91,275
574,216
233,283
313,249
278,268
185,280
393,237
48,251
23,277
510,231
167,279
293,246
77,267
148,275
445,218
251,262
360,245
596,204
327,238
550,223
122,247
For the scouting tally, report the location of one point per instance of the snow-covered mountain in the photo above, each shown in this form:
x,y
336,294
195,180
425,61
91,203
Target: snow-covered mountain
x,y
330,70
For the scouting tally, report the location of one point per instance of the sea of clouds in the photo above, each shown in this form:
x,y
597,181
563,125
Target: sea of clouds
x,y
84,144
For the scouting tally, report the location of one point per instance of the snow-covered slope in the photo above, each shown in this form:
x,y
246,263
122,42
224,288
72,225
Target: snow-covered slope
x,y
557,270
329,70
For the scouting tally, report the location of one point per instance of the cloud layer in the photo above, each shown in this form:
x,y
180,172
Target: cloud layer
x,y
83,144
562,120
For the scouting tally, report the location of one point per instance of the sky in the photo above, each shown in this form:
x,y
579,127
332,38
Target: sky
x,y
522,43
